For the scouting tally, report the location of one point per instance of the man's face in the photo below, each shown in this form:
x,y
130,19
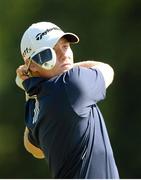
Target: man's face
x,y
64,61
64,55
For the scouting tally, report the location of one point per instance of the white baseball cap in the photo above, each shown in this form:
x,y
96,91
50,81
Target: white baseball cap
x,y
42,35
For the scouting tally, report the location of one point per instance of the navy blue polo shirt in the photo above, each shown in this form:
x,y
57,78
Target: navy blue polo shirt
x,y
66,123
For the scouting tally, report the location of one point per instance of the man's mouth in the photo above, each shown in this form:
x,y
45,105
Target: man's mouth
x,y
66,64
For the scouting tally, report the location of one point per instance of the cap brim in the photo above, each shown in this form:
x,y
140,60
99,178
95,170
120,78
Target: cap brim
x,y
72,38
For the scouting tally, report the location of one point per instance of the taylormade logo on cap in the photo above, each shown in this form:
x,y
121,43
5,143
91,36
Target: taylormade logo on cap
x,y
42,35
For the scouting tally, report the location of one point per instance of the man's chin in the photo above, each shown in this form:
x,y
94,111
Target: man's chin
x,y
67,68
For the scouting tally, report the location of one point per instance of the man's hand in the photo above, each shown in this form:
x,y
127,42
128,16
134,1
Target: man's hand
x,y
22,72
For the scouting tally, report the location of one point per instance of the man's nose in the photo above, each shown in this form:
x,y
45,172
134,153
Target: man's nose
x,y
63,51
63,54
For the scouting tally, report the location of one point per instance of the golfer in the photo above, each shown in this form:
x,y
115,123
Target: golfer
x,y
63,122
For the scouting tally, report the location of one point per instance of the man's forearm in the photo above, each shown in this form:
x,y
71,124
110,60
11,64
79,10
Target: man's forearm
x,y
88,64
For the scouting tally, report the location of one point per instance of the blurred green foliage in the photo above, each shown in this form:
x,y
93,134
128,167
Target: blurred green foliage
x,y
109,31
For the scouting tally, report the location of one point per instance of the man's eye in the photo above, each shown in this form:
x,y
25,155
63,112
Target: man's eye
x,y
66,46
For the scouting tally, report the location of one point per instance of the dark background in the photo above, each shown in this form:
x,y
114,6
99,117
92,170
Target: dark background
x,y
109,31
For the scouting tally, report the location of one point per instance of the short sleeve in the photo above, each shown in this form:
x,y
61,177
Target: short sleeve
x,y
84,87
